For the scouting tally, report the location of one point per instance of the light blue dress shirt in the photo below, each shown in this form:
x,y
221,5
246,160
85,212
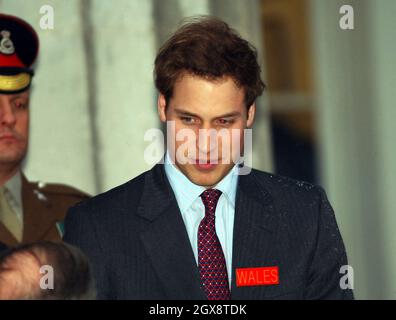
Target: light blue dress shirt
x,y
193,211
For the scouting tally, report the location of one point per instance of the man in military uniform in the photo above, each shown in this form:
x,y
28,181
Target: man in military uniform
x,y
28,211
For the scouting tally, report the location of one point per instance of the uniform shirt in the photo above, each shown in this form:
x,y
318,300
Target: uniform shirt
x,y
13,195
41,206
193,211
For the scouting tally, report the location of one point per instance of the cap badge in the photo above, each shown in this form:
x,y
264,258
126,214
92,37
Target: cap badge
x,y
6,45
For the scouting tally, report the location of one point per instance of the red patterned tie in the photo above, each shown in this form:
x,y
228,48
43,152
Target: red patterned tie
x,y
211,261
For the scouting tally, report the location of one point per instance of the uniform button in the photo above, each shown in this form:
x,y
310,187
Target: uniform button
x,y
41,184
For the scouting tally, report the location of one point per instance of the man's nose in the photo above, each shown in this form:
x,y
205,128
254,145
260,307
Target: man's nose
x,y
207,140
7,114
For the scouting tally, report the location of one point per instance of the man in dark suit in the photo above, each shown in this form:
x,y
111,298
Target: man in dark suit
x,y
201,226
28,211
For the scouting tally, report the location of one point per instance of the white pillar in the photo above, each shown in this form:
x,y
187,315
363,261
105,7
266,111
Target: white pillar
x,y
355,74
124,42
383,24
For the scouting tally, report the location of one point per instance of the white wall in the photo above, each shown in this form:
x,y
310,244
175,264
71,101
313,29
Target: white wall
x,y
355,73
124,42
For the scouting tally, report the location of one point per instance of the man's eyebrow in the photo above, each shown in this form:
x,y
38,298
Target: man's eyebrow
x,y
19,96
229,115
191,114
186,113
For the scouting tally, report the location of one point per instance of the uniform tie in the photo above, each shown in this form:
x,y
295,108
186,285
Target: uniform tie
x,y
8,217
211,261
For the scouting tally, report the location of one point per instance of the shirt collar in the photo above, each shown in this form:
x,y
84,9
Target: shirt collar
x,y
186,192
228,185
14,186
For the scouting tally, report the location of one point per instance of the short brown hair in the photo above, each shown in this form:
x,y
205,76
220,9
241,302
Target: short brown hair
x,y
20,275
209,48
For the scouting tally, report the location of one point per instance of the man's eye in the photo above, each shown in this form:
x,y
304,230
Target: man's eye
x,y
188,120
224,121
20,105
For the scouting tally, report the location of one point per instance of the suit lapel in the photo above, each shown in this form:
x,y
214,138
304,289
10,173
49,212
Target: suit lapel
x,y
36,211
165,239
255,227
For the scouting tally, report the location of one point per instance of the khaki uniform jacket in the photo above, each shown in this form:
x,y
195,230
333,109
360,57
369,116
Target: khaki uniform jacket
x,y
44,209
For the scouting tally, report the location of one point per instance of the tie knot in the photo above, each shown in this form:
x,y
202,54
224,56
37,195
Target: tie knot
x,y
209,199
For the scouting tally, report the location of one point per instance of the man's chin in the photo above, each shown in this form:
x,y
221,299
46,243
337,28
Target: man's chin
x,y
11,157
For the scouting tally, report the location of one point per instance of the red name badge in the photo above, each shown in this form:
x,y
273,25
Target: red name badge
x,y
263,276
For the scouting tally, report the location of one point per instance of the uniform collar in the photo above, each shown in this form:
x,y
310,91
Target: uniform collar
x,y
14,187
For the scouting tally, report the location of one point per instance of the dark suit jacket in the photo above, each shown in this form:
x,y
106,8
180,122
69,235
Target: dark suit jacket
x,y
3,247
43,207
136,240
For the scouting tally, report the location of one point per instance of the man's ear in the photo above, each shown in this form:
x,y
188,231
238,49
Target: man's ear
x,y
161,105
250,116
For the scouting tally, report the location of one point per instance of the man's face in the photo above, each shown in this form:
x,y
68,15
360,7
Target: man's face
x,y
216,105
14,127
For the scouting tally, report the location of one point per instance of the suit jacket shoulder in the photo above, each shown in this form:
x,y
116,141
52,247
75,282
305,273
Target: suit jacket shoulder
x,y
277,184
114,200
289,196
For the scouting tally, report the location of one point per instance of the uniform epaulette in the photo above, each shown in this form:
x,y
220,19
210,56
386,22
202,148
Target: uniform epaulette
x,y
60,189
